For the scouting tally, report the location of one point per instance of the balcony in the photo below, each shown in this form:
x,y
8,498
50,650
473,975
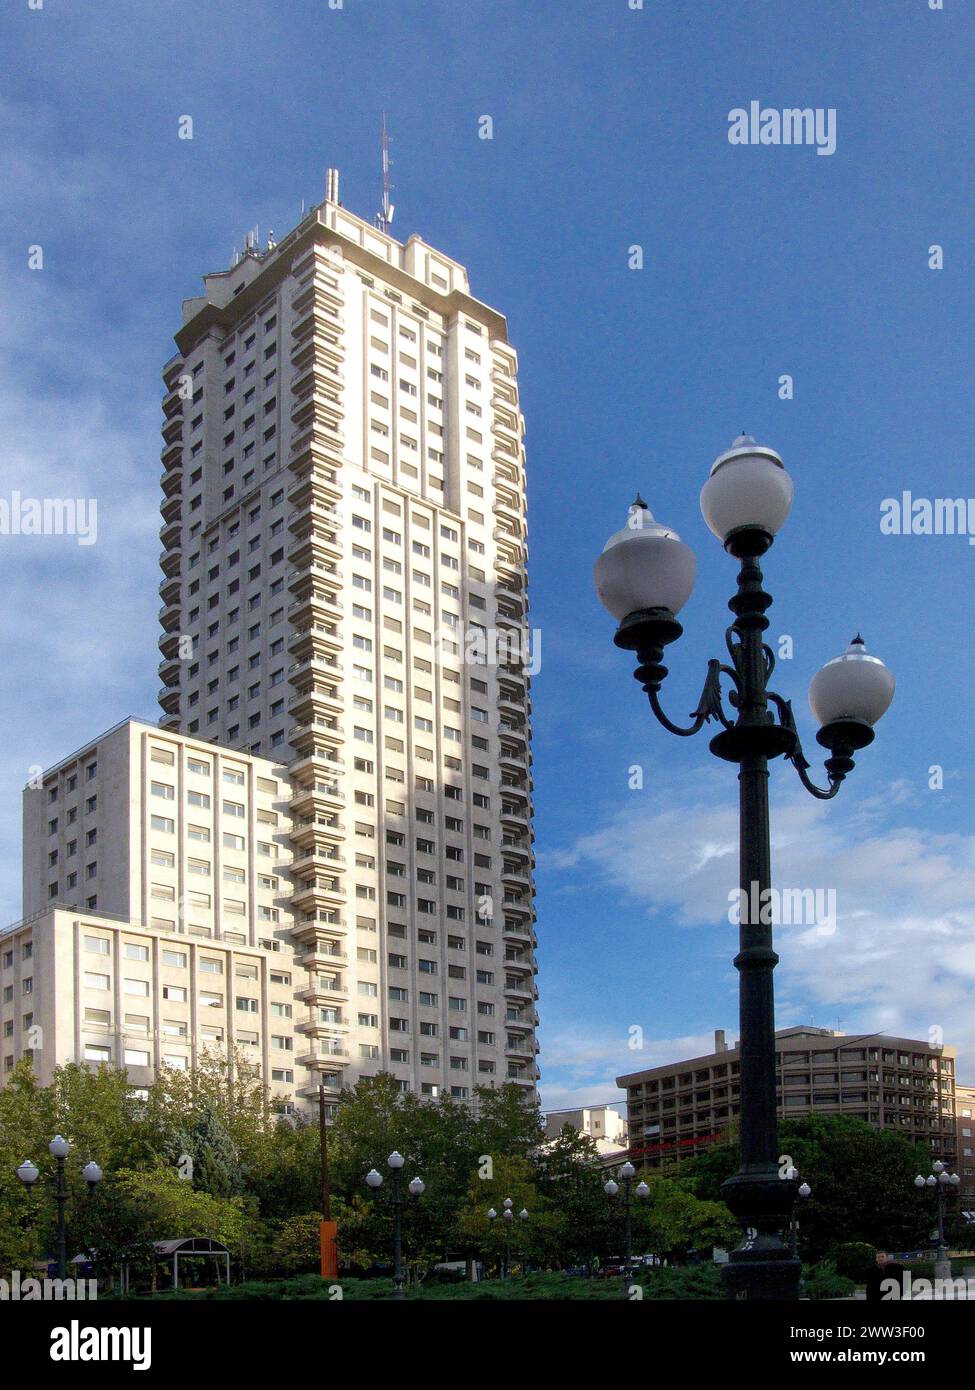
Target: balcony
x,y
314,702
315,640
323,992
318,894
315,934
320,600
521,934
169,671
173,480
317,547
516,988
518,1024
524,965
517,874
172,430
169,616
172,510
322,797
321,959
515,816
169,646
303,736
324,1062
169,591
316,833
172,455
315,485
169,699
319,762
171,560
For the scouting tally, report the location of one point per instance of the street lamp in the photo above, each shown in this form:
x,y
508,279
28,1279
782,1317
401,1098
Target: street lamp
x,y
508,1217
941,1181
800,1194
644,576
28,1173
416,1188
611,1188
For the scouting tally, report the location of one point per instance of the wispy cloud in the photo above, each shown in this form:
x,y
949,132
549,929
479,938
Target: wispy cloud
x,y
900,956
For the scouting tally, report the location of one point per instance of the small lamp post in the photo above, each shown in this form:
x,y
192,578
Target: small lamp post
x,y
942,1182
644,576
508,1218
28,1173
416,1188
800,1194
611,1188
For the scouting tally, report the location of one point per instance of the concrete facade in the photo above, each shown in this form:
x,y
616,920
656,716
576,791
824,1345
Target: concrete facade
x,y
345,619
894,1083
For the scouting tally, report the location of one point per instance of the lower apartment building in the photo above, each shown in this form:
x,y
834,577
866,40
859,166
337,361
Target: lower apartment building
x,y
965,1112
174,903
894,1083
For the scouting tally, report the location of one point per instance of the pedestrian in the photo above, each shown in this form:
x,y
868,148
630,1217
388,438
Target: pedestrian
x,y
877,1287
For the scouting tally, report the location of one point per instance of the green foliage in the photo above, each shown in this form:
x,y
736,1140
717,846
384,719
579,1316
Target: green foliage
x,y
296,1247
697,1282
822,1282
833,1153
853,1259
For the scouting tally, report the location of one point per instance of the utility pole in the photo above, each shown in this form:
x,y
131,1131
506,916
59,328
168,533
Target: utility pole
x,y
323,1140
328,1229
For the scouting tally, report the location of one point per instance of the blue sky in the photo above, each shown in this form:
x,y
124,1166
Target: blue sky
x,y
610,130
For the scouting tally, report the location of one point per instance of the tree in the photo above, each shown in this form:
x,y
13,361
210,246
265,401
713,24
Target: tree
x,y
216,1166
861,1179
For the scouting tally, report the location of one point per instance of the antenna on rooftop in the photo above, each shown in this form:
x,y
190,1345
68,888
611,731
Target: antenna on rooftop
x,y
384,216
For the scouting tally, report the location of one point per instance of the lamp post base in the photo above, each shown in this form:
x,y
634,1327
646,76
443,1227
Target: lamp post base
x,y
763,1266
750,1275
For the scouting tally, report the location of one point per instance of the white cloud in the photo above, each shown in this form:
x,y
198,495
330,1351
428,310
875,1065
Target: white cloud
x,y
902,955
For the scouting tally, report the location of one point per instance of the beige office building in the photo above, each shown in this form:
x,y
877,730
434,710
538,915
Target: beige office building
x,y
895,1083
344,592
158,919
965,1111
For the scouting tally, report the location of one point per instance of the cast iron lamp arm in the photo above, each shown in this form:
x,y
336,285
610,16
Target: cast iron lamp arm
x,y
799,760
708,706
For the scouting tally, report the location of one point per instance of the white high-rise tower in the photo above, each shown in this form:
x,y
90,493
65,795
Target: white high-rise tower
x,y
344,594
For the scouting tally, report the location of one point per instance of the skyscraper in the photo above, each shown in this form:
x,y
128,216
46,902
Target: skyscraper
x,y
345,594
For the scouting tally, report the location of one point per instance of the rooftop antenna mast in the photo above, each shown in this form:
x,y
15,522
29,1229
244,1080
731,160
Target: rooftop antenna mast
x,y
384,216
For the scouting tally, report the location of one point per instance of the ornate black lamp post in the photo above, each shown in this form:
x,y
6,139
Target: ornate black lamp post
x,y
644,577
28,1173
508,1216
941,1181
611,1188
800,1194
416,1188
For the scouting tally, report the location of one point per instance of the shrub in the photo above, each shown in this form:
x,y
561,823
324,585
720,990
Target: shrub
x,y
823,1282
853,1259
695,1282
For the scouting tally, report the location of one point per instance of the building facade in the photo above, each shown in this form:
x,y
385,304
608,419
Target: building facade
x,y
893,1083
344,607
157,917
604,1124
965,1111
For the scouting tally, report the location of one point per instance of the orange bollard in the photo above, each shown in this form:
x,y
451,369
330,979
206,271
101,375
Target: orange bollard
x,y
328,1240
